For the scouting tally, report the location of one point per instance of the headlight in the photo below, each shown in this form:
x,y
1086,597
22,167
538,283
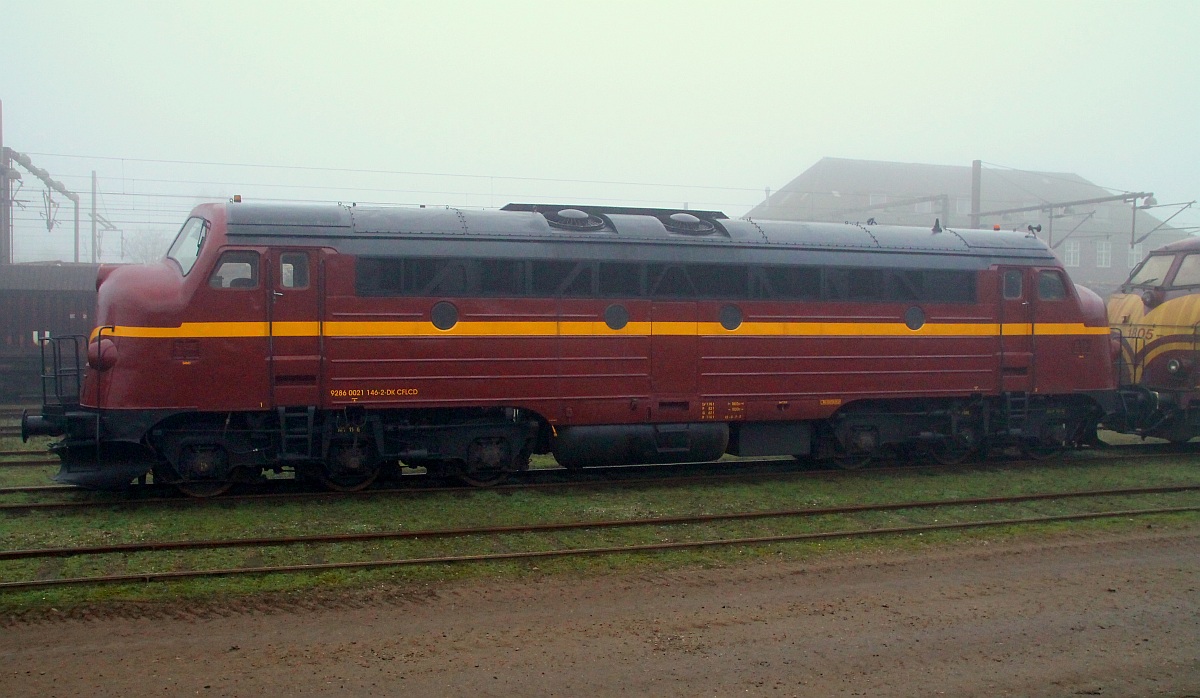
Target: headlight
x,y
102,355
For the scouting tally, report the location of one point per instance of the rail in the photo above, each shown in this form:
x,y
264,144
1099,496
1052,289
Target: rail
x,y
151,576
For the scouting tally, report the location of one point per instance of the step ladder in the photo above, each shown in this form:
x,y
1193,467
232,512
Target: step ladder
x,y
296,432
1016,412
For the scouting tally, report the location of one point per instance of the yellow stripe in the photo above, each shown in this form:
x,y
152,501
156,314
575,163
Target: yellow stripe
x,y
1175,345
1067,328
196,330
295,329
190,330
598,327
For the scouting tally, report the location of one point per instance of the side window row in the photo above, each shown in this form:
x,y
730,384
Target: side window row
x,y
239,269
453,277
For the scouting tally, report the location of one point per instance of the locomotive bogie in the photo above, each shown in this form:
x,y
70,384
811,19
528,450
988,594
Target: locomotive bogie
x,y
204,453
953,430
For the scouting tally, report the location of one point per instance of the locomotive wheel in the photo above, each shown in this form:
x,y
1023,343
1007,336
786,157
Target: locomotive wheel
x,y
484,478
1041,449
951,453
489,462
350,467
1054,439
203,489
852,448
204,469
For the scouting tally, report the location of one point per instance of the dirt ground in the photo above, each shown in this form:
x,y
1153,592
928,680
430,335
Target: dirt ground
x,y
1111,615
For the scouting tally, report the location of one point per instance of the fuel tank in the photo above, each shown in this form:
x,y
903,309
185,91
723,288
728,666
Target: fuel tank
x,y
627,444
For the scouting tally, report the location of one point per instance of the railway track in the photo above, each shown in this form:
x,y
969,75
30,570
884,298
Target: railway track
x,y
30,463
180,545
14,411
23,452
289,490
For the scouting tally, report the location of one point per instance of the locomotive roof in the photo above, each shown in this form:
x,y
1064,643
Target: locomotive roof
x,y
625,233
1188,244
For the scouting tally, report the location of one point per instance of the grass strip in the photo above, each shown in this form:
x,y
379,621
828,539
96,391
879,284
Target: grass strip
x,y
537,554
562,526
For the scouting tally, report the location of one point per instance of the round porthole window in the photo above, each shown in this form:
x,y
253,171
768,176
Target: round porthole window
x,y
616,317
444,315
731,317
914,318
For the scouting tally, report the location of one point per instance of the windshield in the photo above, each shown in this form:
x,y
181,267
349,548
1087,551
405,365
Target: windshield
x,y
1188,273
1152,271
186,247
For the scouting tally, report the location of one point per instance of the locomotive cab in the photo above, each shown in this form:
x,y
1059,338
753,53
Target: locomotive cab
x,y
1155,318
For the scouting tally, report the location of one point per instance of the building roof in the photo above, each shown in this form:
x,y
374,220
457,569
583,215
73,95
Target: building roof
x,y
845,189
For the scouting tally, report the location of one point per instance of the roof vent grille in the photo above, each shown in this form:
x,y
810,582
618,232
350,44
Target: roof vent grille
x,y
573,219
688,224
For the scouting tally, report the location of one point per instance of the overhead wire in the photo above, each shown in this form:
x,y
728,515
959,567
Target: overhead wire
x,y
493,177
311,168
1062,177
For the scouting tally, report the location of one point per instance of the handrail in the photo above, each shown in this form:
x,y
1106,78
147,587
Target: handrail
x,y
62,369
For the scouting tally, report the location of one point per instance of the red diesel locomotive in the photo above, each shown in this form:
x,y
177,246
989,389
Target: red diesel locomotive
x,y
337,340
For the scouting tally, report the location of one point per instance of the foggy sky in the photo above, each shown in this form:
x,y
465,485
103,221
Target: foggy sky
x,y
647,102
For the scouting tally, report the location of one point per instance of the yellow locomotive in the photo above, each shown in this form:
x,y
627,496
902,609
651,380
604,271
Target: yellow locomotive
x,y
1155,319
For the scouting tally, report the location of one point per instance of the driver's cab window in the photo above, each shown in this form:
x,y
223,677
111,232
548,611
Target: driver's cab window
x,y
1012,284
1188,273
293,270
1152,272
1051,286
186,248
236,269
